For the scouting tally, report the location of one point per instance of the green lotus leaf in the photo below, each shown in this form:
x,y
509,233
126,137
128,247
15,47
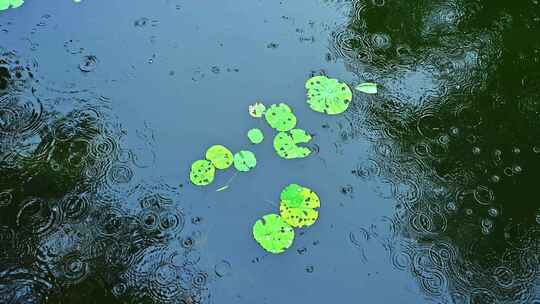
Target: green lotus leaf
x,y
257,110
280,117
327,95
286,144
255,135
5,4
367,87
273,233
220,156
299,205
202,172
244,161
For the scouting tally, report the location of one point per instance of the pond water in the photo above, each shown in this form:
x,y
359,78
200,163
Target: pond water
x,y
426,188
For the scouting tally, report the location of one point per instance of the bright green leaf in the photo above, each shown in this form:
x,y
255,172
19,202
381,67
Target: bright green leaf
x,y
202,172
299,205
255,135
220,156
244,161
280,117
286,144
367,87
273,233
257,110
5,4
327,95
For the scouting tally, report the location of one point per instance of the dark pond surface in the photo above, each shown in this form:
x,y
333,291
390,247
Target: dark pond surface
x,y
428,189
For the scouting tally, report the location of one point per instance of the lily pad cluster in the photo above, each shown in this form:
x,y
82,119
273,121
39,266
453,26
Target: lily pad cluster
x,y
298,208
203,171
5,4
281,118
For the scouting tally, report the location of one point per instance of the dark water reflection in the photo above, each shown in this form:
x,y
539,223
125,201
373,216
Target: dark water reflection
x,y
74,213
462,154
437,172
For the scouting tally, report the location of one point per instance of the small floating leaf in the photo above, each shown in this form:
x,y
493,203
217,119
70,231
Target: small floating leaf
x,y
220,156
367,87
257,110
273,233
280,117
286,144
244,161
222,188
327,95
255,135
202,172
299,205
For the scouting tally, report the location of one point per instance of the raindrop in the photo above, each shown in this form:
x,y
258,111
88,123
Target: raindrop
x,y
493,212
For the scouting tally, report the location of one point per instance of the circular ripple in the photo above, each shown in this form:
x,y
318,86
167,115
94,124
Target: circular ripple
x,y
104,147
429,126
165,275
75,207
223,268
154,201
367,169
120,174
66,129
5,198
36,217
442,254
503,276
434,283
407,191
381,41
149,220
20,114
171,222
111,222
483,195
401,258
75,270
199,279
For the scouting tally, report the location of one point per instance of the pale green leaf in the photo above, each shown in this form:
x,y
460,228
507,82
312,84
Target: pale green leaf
x,y
367,87
257,110
222,188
